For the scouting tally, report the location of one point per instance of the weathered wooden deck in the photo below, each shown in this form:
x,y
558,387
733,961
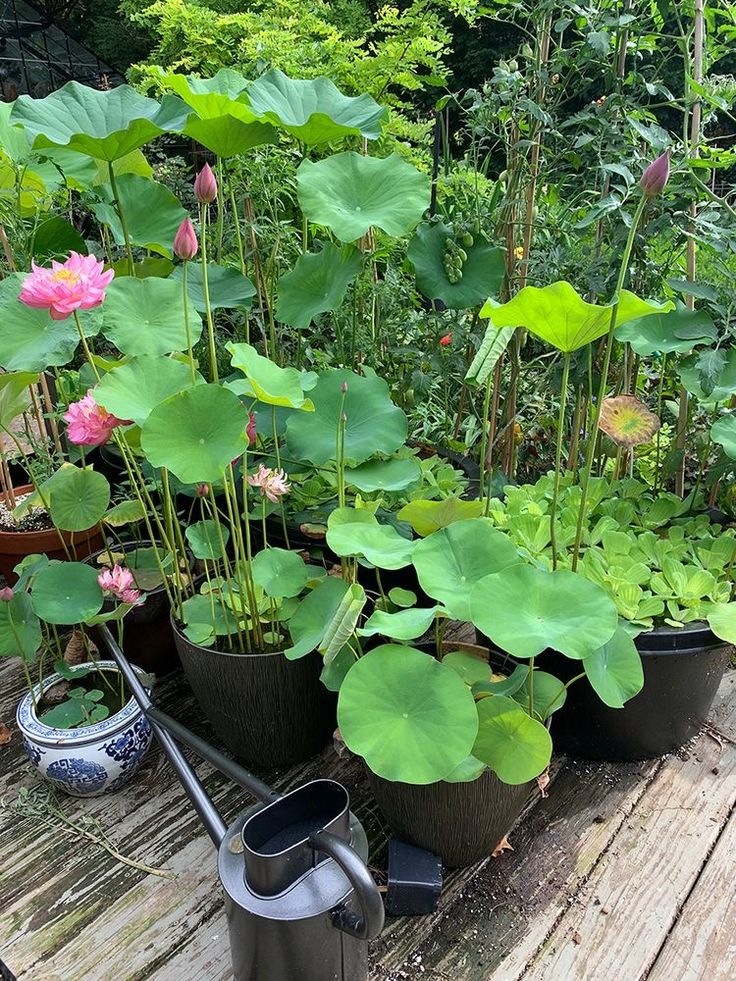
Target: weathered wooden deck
x,y
624,872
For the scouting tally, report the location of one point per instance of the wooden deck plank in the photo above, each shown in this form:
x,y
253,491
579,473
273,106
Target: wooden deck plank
x,y
622,915
702,944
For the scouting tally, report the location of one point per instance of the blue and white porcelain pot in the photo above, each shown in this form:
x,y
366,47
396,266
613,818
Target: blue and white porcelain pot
x,y
89,761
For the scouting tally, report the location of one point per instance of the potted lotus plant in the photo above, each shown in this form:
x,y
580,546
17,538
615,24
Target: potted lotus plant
x,y
453,740
81,728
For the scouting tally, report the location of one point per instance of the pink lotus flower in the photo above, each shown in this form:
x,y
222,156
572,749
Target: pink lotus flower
x,y
119,582
185,241
205,185
250,429
77,284
655,177
88,424
271,483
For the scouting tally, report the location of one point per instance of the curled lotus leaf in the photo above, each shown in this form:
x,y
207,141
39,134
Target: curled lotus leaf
x,y
628,421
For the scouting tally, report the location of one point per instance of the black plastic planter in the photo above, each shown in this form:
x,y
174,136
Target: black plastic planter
x,y
682,671
267,710
460,822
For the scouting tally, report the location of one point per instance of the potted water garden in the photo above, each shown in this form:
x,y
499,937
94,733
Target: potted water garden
x,y
81,728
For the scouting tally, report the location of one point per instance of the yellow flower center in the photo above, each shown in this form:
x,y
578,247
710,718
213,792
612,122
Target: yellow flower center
x,y
66,276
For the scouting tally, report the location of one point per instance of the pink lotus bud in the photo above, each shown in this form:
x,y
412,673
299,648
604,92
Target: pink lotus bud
x,y
6,594
203,490
655,177
205,185
185,241
251,429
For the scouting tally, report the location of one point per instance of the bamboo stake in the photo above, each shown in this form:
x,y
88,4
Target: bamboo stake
x,y
51,409
695,124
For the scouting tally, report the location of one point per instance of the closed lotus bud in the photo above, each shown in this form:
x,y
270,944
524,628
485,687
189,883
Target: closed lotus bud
x,y
6,594
185,241
655,177
205,185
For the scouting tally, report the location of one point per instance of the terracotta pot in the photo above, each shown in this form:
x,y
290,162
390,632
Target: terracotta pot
x,y
16,545
267,710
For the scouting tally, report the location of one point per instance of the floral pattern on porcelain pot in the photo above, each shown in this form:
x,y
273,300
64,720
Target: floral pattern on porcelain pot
x,y
89,761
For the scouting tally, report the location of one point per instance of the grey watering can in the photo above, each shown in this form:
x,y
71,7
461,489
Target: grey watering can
x,y
301,904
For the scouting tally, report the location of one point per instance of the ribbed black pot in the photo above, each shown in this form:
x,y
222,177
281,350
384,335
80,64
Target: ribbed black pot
x,y
460,822
682,671
267,710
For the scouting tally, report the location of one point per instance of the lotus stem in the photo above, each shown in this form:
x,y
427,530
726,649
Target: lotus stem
x,y
187,328
558,456
214,374
121,216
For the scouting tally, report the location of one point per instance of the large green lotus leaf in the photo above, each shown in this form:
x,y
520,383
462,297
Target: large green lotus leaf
x,y
267,381
279,573
451,561
373,425
14,395
317,283
228,288
66,593
132,390
314,110
384,475
680,330
313,616
31,340
196,433
78,171
152,213
205,541
352,531
403,625
146,316
134,162
411,718
13,138
525,610
562,318
20,629
104,124
55,238
516,747
222,121
723,432
615,670
428,516
483,270
349,194
79,498
725,383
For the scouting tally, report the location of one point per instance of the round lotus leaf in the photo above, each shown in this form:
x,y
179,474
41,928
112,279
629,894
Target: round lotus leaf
x,y
627,421
196,433
451,561
411,718
482,271
66,593
204,541
79,498
103,123
680,330
317,283
267,381
279,572
349,194
314,110
147,316
525,610
227,287
20,630
133,389
615,670
384,475
152,213
355,531
373,424
516,747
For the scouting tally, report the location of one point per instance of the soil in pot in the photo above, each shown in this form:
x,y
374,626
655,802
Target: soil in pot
x,y
682,671
460,822
267,710
37,534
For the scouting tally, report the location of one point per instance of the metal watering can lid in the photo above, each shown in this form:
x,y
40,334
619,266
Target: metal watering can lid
x,y
275,839
302,856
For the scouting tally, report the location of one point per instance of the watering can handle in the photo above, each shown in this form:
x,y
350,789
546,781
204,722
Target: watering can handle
x,y
367,924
